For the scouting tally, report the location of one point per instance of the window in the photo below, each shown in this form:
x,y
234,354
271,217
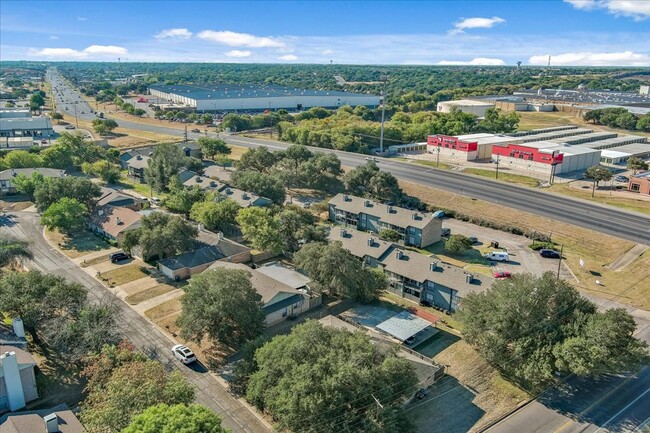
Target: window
x,y
635,187
284,313
411,240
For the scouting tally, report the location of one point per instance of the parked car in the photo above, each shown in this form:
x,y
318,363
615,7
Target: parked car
x,y
473,239
445,231
498,256
422,392
409,341
118,256
549,254
69,127
502,274
183,354
43,141
197,130
621,179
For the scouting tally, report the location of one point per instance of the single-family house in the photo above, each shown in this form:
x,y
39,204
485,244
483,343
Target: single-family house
x,y
17,378
112,222
243,198
210,247
136,167
112,197
59,419
7,176
415,228
280,301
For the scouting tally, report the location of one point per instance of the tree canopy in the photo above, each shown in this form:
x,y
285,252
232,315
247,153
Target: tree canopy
x,y
12,249
532,327
216,215
213,146
367,180
161,235
166,162
221,304
260,228
163,418
54,189
67,214
257,159
304,379
262,184
458,244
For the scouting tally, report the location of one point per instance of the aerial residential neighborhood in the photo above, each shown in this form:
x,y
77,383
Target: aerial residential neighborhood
x,y
318,217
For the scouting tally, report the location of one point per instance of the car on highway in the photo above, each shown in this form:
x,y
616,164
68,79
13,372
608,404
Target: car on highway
x,y
184,354
197,130
118,256
549,254
500,275
371,158
43,141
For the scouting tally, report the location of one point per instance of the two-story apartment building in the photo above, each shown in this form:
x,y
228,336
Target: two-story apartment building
x,y
136,167
415,228
411,275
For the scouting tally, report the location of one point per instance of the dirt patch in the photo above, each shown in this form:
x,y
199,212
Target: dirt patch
x,y
612,198
122,275
15,203
150,293
94,261
173,306
597,250
76,245
503,176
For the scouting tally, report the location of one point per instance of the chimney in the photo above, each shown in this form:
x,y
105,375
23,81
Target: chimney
x,y
389,208
244,196
398,255
220,235
366,203
346,197
100,212
371,242
200,227
433,266
19,329
343,233
51,423
118,221
13,385
213,183
139,157
198,178
415,215
469,278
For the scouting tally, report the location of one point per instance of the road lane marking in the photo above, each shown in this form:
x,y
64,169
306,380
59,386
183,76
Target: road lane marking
x,y
623,410
591,406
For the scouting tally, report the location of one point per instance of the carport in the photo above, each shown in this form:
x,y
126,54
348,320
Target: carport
x,y
405,325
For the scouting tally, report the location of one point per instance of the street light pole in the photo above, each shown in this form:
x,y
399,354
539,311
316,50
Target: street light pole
x,y
497,162
438,156
383,115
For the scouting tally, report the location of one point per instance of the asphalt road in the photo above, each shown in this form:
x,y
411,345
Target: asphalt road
x,y
583,213
143,334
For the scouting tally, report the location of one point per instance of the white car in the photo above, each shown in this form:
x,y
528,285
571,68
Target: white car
x,y
183,354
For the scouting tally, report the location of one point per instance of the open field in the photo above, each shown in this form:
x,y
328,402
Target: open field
x,y
77,245
150,293
533,120
595,249
614,199
504,176
122,275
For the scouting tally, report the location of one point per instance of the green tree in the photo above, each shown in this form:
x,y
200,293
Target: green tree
x,y
458,244
13,250
57,156
335,270
257,159
161,235
166,162
532,327
296,226
221,304
37,297
304,378
23,159
260,228
213,146
597,174
27,185
163,418
207,118
37,100
216,215
107,171
262,184
636,164
67,214
73,150
389,235
56,116
104,126
132,384
53,190
182,199
499,123
643,124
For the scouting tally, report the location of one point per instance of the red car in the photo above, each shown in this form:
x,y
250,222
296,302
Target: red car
x,y
502,274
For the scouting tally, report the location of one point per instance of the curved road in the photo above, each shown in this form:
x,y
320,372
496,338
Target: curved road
x,y
602,218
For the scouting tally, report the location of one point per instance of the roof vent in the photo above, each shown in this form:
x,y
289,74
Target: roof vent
x,y
346,198
118,221
399,255
433,266
343,233
366,203
51,423
371,242
469,278
198,179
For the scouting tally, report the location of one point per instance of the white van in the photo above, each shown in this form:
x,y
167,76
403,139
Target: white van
x,y
498,256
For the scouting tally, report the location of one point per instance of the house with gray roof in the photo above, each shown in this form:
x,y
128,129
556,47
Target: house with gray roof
x,y
136,167
243,198
17,378
412,275
7,176
415,228
112,197
58,419
204,183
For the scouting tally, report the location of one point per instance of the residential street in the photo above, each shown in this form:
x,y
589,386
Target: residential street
x,y
137,329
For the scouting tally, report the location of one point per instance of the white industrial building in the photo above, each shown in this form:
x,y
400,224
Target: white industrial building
x,y
466,106
224,97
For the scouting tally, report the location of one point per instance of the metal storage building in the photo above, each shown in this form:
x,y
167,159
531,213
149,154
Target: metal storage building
x,y
226,97
466,106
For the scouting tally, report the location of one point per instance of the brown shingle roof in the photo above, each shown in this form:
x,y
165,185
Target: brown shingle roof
x,y
396,215
22,356
33,422
106,218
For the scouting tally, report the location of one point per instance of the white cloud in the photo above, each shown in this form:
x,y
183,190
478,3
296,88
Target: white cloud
x,y
475,23
327,52
624,58
81,18
238,53
92,51
636,9
174,33
233,39
288,58
54,37
484,61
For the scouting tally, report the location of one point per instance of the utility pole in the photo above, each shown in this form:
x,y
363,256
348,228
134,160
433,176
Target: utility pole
x,y
497,162
75,114
185,135
383,115
559,262
438,156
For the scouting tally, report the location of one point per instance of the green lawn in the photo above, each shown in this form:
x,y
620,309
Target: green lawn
x,y
472,257
76,245
150,293
141,188
504,176
122,275
94,261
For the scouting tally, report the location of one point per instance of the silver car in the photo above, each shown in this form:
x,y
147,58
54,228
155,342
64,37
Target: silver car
x,y
183,354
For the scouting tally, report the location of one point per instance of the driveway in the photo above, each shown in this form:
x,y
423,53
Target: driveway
x,y
142,333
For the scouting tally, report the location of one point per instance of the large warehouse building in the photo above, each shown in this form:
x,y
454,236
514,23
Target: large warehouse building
x,y
225,97
466,106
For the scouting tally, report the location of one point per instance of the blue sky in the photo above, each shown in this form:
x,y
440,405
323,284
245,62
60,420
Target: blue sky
x,y
574,32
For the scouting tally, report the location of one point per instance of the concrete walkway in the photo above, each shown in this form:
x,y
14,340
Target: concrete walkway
x,y
631,255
